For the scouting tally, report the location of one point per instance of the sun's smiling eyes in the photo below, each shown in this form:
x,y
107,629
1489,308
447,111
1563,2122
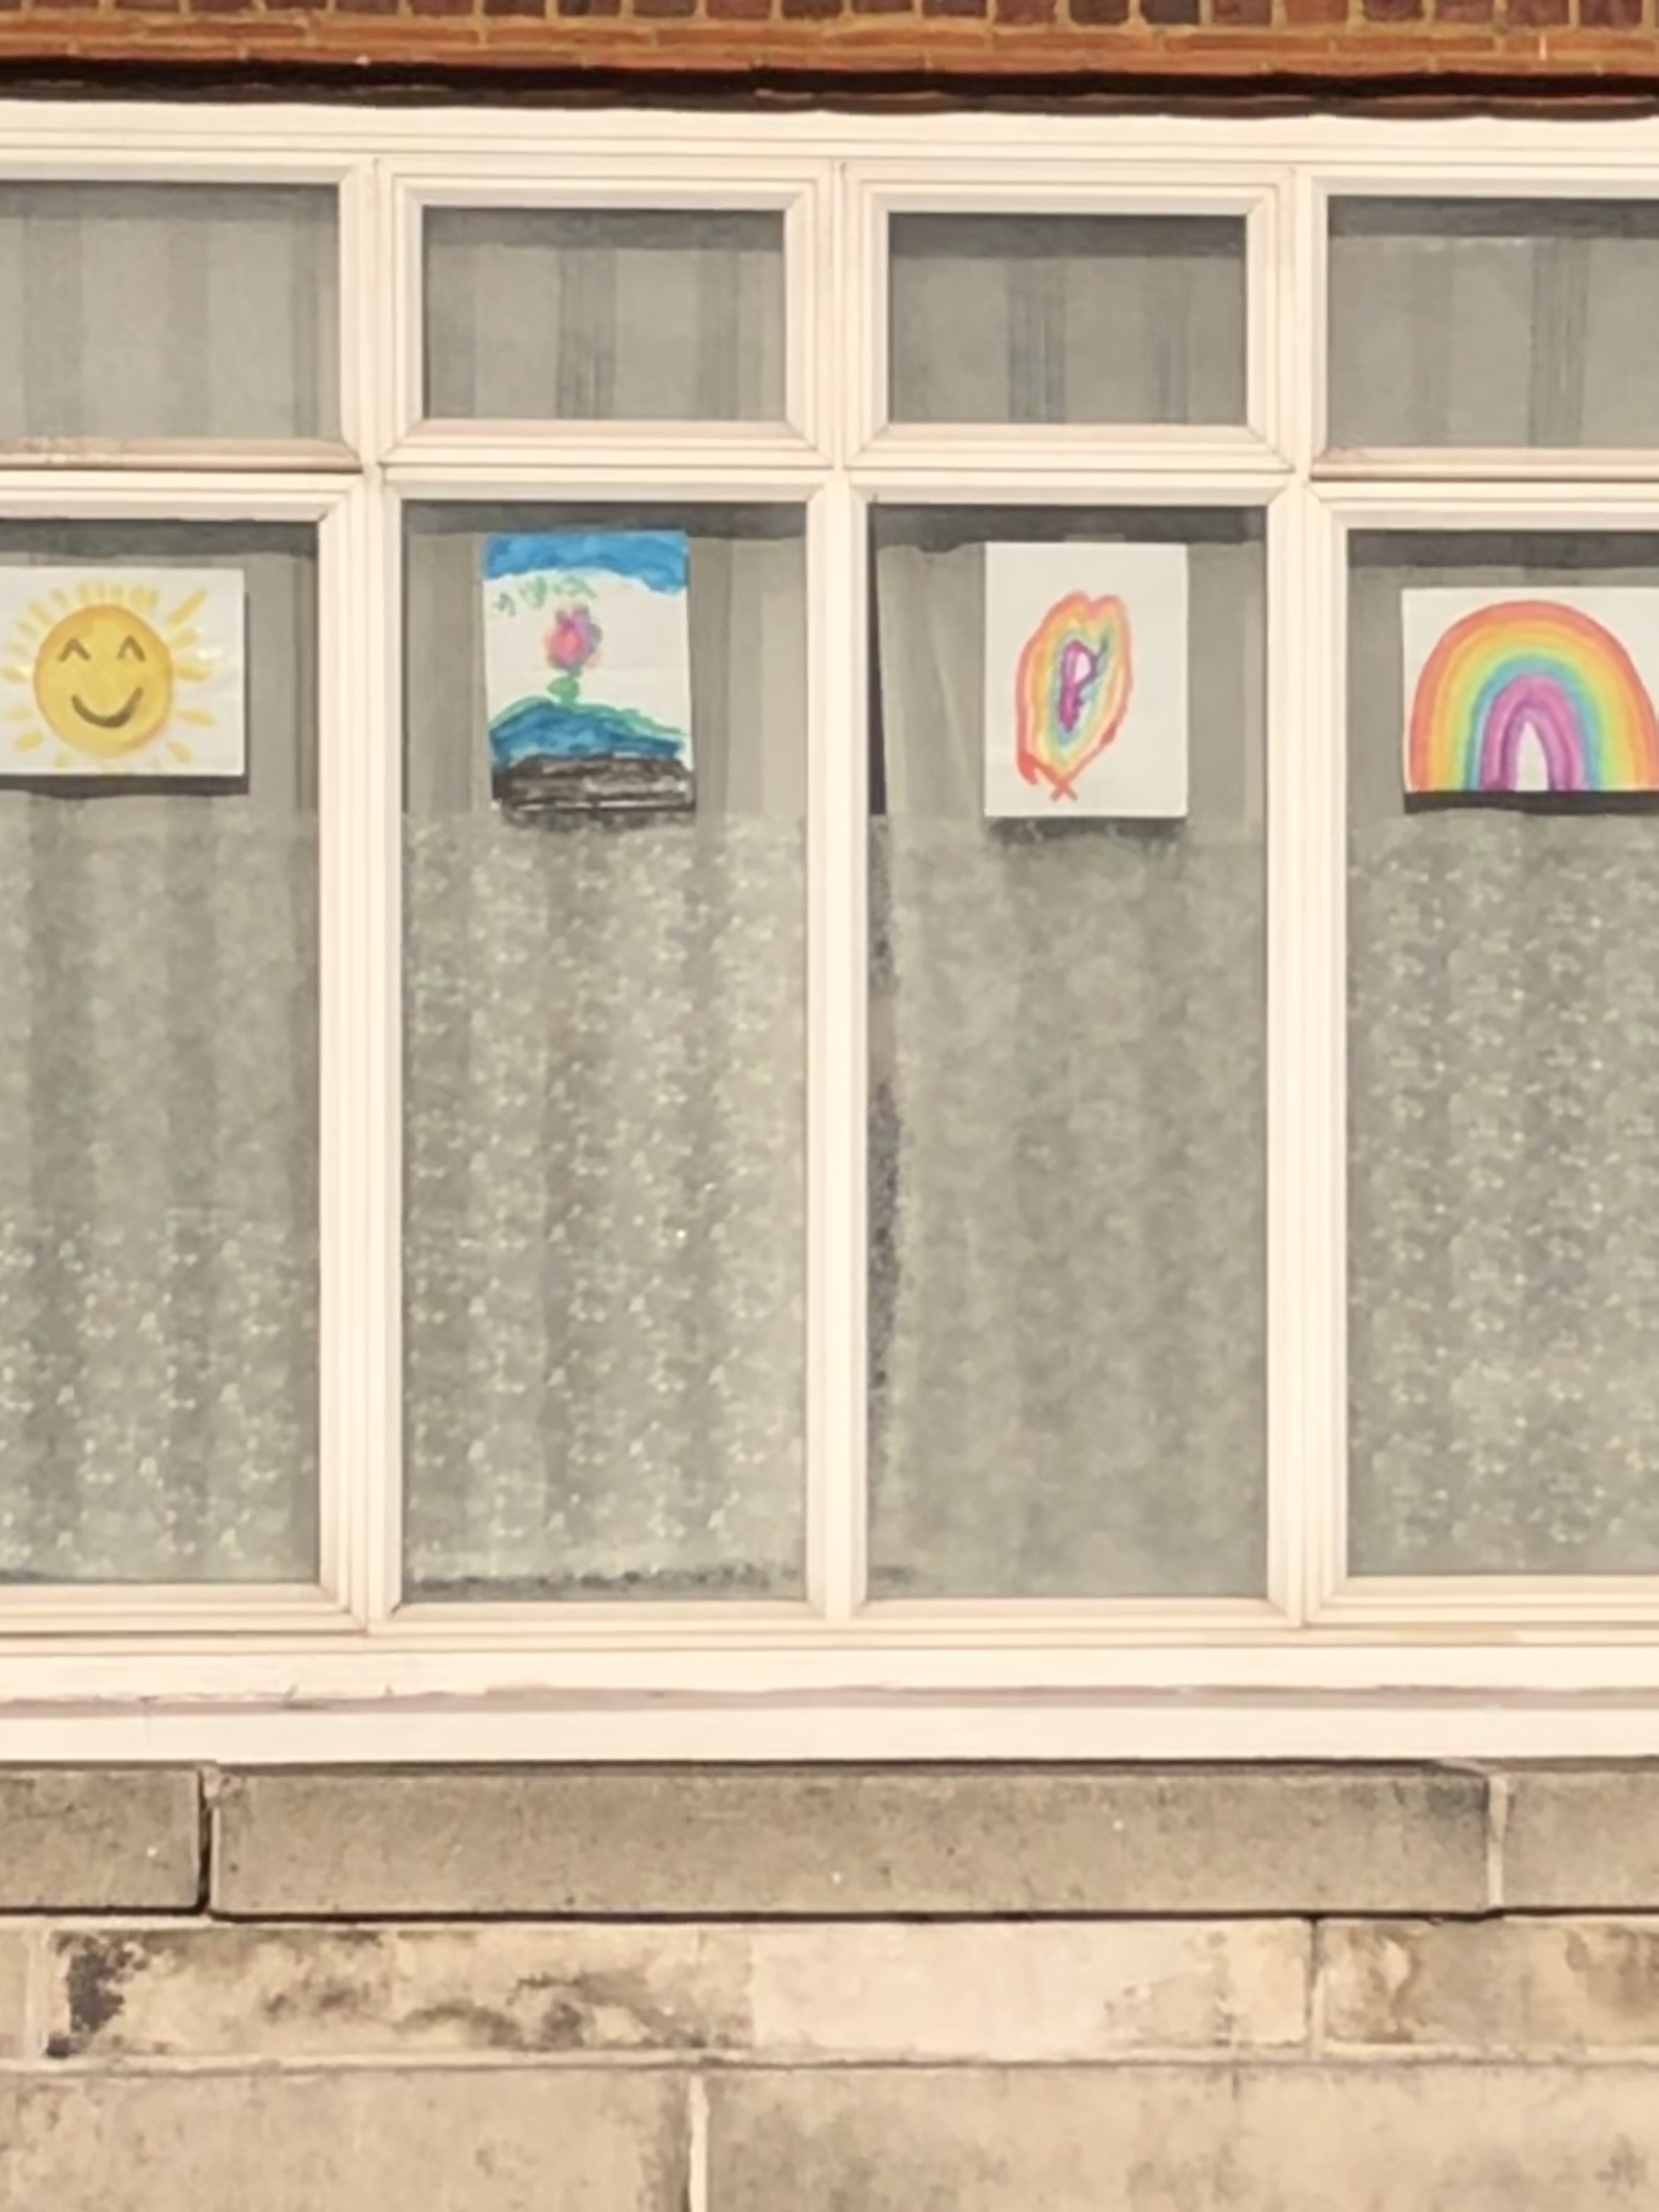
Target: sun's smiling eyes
x,y
129,649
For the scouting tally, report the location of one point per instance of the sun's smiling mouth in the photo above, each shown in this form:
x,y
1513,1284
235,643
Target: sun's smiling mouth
x,y
118,720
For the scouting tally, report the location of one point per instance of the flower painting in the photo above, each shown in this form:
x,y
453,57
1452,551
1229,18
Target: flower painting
x,y
587,672
118,674
1086,682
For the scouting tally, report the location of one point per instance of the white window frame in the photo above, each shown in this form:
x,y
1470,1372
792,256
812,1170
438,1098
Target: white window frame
x,y
1321,1665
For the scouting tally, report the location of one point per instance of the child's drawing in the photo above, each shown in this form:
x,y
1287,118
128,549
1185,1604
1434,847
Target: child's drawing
x,y
122,673
587,672
1549,693
1085,670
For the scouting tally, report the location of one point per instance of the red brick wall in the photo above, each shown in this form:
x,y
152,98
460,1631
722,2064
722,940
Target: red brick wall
x,y
1565,43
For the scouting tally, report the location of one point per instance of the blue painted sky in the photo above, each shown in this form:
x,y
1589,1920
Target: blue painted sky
x,y
655,558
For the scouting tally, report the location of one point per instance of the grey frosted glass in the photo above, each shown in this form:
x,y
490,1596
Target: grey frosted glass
x,y
158,1129
598,315
1494,323
1065,319
1067,1116
605,1115
168,311
1504,1133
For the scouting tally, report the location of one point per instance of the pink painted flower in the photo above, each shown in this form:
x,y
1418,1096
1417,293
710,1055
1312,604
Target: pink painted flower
x,y
572,640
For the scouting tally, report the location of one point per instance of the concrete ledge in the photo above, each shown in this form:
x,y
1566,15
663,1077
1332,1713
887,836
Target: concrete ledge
x,y
1185,2139
429,2140
100,1839
738,1843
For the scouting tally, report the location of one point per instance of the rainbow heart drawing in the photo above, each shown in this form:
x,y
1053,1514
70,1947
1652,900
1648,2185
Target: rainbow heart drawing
x,y
1071,691
1086,682
1521,695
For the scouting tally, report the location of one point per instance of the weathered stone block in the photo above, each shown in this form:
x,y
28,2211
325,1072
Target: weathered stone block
x,y
99,1840
1524,1985
505,2140
711,1842
1582,1839
313,1992
1035,1991
1155,2138
916,1992
14,1990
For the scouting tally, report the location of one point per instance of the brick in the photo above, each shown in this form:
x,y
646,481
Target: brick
x,y
974,8
1100,11
538,8
1024,1994
1025,11
1535,14
711,1842
654,9
589,7
1520,1986
1163,14
1582,1839
208,1991
1610,15
99,1840
1252,12
440,6
810,9
1463,11
1393,11
466,2141
737,11
1153,2138
1316,11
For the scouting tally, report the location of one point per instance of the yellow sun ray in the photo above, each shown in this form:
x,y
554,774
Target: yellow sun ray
x,y
20,712
192,671
16,675
179,640
143,598
184,610
65,759
199,715
29,739
62,601
179,752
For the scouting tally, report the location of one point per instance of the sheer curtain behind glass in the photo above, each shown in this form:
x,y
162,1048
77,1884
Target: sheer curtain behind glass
x,y
1494,322
1504,1109
158,1128
605,1113
168,311
604,315
1065,319
1067,1133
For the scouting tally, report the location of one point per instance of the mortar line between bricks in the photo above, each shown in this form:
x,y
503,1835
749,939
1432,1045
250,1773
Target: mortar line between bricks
x,y
1361,2059
696,2144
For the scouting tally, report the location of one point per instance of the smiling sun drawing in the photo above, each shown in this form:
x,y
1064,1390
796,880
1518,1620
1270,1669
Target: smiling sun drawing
x,y
120,676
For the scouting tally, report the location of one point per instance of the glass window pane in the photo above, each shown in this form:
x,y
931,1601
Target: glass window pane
x,y
599,315
1503,1127
606,1108
168,311
1065,319
1494,323
158,1097
1067,1110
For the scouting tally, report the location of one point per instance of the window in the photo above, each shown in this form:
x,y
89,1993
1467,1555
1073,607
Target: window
x,y
852,1237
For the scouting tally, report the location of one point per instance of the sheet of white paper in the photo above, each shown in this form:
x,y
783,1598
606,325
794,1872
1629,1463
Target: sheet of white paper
x,y
115,671
1086,682
1581,692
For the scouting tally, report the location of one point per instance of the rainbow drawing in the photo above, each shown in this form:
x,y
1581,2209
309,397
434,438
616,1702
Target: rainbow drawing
x,y
1536,670
1070,690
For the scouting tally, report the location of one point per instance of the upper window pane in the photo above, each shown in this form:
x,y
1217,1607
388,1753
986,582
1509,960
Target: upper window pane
x,y
1494,323
597,315
1065,319
168,311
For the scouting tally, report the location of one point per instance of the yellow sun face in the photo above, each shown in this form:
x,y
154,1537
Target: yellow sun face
x,y
104,667
103,679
